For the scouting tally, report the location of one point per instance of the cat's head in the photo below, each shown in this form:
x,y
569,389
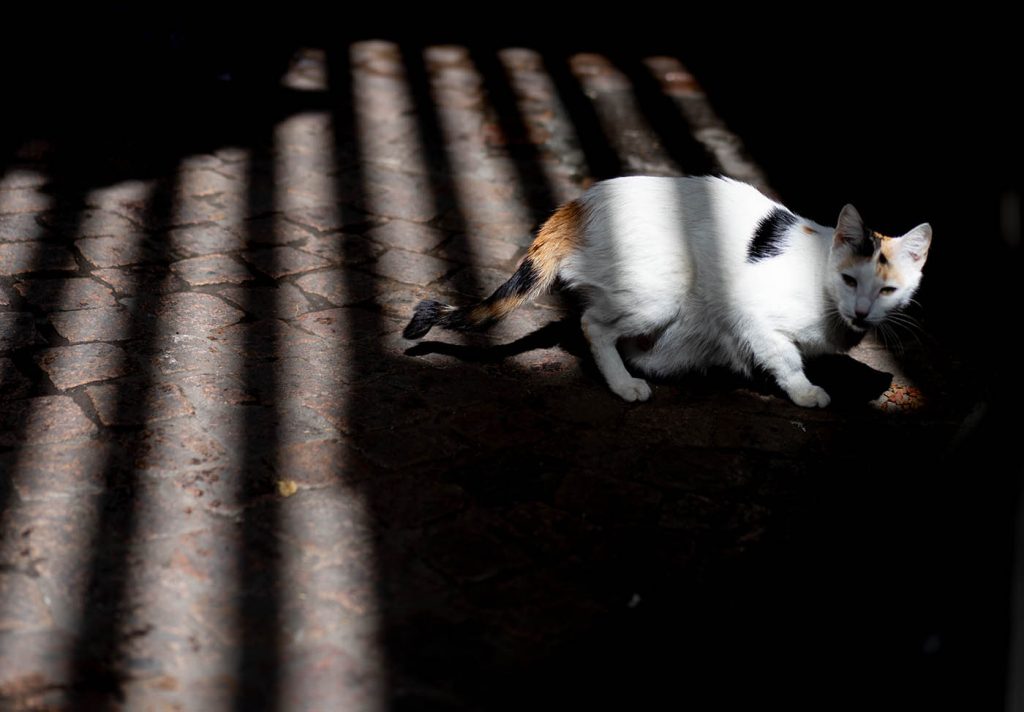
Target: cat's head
x,y
870,274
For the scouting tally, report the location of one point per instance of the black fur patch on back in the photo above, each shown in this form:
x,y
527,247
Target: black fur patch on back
x,y
520,283
769,237
427,313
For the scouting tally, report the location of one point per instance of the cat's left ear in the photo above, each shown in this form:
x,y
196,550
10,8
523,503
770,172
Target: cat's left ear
x,y
849,226
915,244
850,231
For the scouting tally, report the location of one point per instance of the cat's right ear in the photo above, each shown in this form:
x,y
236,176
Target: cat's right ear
x,y
849,227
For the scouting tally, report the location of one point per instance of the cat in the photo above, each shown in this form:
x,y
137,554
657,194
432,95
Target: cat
x,y
685,273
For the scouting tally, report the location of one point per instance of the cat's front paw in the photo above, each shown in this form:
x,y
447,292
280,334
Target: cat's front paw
x,y
633,389
809,396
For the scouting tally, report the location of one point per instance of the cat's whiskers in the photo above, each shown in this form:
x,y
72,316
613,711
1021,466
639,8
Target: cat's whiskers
x,y
905,320
897,322
890,339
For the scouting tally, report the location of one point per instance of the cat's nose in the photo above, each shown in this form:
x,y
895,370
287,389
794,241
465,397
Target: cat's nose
x,y
861,314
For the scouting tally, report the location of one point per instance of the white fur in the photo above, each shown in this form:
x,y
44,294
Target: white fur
x,y
666,258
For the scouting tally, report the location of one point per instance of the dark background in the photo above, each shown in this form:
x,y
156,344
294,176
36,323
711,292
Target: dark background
x,y
911,124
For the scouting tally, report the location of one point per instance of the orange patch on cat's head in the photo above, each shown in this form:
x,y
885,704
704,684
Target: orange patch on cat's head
x,y
885,266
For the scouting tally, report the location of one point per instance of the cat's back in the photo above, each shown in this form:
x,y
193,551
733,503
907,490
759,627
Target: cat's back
x,y
692,191
707,217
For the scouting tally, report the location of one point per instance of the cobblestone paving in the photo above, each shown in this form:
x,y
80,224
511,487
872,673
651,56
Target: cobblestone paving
x,y
227,481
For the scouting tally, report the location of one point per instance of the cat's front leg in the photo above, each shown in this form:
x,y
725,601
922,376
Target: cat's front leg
x,y
781,357
804,393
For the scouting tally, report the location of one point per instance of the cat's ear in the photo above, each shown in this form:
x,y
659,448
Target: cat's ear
x,y
849,227
915,244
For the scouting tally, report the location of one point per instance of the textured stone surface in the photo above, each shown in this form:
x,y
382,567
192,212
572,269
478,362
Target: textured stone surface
x,y
24,257
394,194
16,330
192,313
45,419
59,469
102,324
174,445
66,294
186,213
202,240
13,383
282,261
211,269
136,279
340,248
483,251
284,300
273,230
130,403
410,268
20,227
321,218
266,338
71,366
338,287
27,200
116,250
88,222
408,236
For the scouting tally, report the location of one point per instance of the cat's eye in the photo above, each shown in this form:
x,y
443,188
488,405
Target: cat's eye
x,y
850,281
887,290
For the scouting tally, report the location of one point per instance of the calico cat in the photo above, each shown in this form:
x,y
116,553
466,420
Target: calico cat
x,y
686,273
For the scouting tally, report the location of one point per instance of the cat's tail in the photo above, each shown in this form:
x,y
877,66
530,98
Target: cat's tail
x,y
558,238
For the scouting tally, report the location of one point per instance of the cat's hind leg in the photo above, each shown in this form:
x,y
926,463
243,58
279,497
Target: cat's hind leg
x,y
603,338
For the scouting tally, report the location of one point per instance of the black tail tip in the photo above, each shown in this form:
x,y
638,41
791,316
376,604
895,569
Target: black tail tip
x,y
427,313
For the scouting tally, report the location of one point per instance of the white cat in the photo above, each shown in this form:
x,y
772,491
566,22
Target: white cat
x,y
686,273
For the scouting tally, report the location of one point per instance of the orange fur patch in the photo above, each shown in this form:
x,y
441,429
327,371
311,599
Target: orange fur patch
x,y
810,230
502,307
887,271
481,313
557,238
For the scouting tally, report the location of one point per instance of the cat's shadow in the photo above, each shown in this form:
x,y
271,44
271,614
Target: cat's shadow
x,y
564,333
849,382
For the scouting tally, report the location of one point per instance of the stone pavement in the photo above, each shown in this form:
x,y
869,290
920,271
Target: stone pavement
x,y
228,483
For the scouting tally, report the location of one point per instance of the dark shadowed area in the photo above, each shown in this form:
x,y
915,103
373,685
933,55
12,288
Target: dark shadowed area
x,y
227,482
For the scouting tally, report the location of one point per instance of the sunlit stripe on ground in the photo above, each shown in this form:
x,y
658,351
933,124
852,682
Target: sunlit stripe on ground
x,y
177,631
56,475
489,201
706,127
547,122
23,191
46,534
624,125
328,612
